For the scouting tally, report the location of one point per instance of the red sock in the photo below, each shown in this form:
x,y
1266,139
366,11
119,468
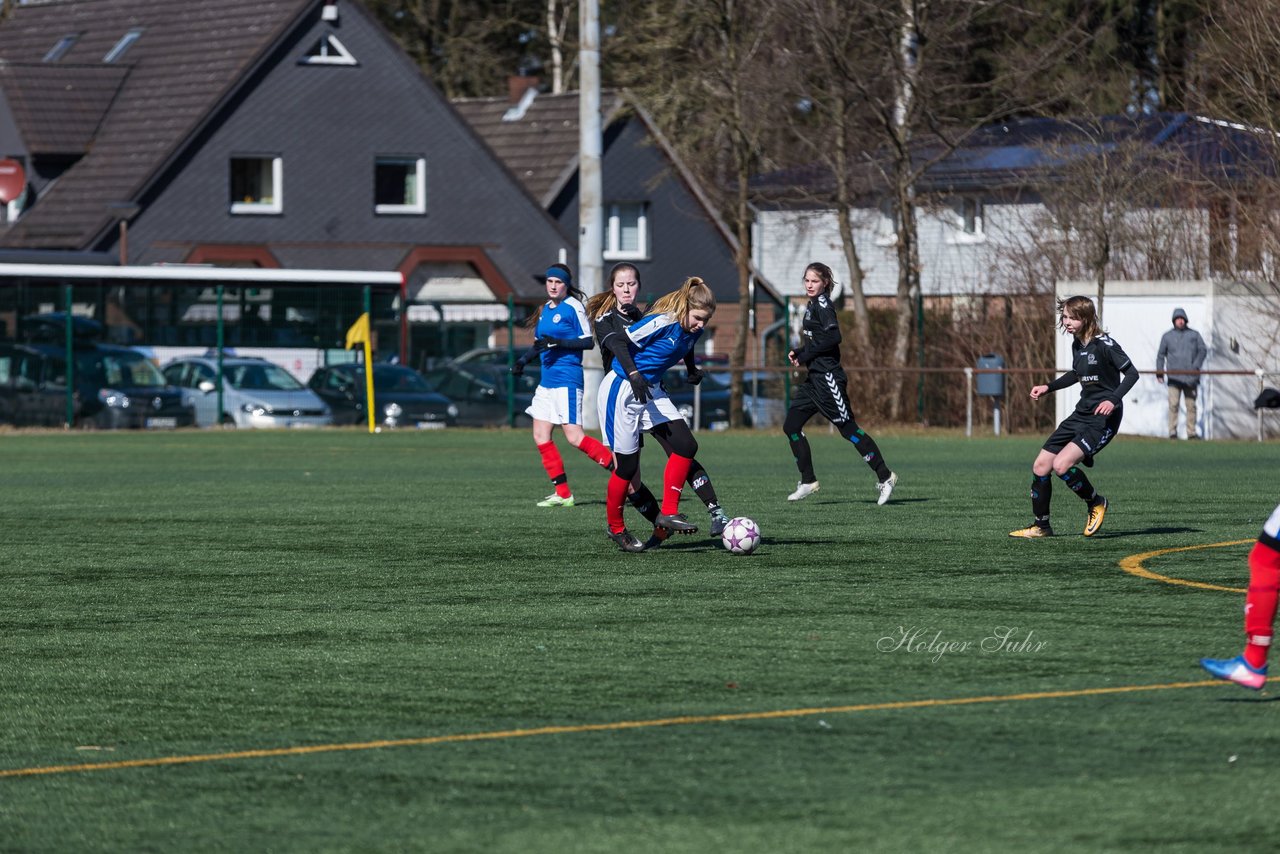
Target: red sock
x,y
616,495
1260,603
555,468
598,451
673,478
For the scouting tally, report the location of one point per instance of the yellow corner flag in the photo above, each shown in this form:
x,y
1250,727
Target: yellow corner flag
x,y
359,331
359,334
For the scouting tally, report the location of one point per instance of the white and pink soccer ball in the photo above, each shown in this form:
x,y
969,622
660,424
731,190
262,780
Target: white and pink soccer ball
x,y
741,536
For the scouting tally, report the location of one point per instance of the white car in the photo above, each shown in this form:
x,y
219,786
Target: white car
x,y
256,393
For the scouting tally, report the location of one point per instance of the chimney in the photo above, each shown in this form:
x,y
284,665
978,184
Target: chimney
x,y
518,84
330,12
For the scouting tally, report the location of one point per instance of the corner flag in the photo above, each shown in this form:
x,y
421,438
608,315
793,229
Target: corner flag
x,y
359,334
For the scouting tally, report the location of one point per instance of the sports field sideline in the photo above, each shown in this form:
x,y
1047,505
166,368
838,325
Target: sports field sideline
x,y
337,641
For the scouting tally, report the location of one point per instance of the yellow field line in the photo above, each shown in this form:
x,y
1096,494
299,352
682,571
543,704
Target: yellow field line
x,y
581,728
1134,566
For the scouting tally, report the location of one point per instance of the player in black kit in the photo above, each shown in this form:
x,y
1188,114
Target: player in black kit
x,y
825,390
1105,374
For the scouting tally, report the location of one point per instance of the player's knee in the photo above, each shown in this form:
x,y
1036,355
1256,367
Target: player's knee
x,y
627,465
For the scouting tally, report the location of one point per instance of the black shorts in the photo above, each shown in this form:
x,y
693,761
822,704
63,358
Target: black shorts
x,y
1090,432
826,394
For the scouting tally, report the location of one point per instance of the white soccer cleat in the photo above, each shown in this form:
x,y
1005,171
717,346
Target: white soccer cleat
x,y
803,490
886,487
554,500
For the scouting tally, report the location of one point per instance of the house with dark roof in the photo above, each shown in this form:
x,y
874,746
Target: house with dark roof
x,y
657,216
269,133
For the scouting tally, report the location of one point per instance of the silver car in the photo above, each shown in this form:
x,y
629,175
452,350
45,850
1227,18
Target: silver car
x,y
257,393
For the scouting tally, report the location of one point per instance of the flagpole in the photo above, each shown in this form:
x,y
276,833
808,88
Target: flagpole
x,y
368,356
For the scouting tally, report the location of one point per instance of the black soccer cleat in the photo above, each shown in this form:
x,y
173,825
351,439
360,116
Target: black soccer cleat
x,y
626,540
675,522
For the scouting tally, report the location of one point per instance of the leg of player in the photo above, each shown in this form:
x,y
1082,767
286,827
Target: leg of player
x,y
615,495
683,449
592,447
1066,467
553,465
701,483
1041,492
885,480
793,427
1250,668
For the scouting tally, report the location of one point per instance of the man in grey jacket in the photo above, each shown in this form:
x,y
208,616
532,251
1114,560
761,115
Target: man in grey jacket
x,y
1181,349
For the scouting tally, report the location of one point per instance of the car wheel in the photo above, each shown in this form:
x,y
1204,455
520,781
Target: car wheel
x,y
227,422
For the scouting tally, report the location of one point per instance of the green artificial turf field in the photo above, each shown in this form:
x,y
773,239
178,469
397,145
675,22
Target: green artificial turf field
x,y
194,610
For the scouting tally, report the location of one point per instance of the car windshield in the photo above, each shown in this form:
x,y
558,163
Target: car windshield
x,y
390,379
124,369
261,378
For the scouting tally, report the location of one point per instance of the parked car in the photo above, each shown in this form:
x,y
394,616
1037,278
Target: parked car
x,y
255,393
479,389
401,397
115,387
713,402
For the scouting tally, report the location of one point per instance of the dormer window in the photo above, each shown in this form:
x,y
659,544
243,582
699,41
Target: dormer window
x,y
121,46
60,49
328,51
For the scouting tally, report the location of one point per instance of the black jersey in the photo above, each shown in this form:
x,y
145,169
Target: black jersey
x,y
821,330
1098,367
611,333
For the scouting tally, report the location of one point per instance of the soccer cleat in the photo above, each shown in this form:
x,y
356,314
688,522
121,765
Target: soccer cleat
x,y
626,540
1032,532
803,490
657,538
554,500
1097,511
675,522
885,487
1236,670
719,521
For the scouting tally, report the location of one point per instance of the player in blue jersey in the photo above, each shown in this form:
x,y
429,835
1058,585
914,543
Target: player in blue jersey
x,y
657,341
611,312
562,335
826,390
1105,374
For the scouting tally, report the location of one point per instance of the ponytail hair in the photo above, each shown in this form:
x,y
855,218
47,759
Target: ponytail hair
x,y
564,274
1083,310
694,294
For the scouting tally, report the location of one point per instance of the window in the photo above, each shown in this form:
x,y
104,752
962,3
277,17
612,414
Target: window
x,y
256,186
121,46
400,185
627,231
887,227
328,51
60,49
967,221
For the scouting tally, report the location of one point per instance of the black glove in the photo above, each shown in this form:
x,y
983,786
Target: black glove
x,y
639,387
695,376
541,344
518,368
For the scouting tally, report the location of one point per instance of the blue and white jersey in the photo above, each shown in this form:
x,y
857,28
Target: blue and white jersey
x,y
658,341
563,368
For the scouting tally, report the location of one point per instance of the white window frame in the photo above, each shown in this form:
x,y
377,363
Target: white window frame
x,y
330,51
276,205
420,181
888,226
126,41
613,233
959,232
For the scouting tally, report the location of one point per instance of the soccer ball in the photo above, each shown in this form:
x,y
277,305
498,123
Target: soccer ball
x,y
741,536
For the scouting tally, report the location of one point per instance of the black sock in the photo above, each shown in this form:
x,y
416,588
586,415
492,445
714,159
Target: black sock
x,y
1041,492
870,453
1079,484
804,457
643,500
701,484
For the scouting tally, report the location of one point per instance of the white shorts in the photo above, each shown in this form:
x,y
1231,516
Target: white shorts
x,y
556,405
622,420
